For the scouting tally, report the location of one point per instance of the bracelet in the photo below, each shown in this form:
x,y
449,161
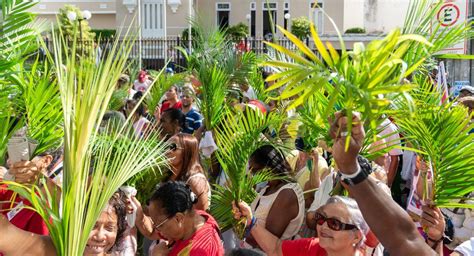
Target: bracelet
x,y
249,228
351,176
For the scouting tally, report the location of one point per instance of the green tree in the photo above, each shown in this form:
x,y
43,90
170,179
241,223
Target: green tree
x,y
68,26
300,27
238,31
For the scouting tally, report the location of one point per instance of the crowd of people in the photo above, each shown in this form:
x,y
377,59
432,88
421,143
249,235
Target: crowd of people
x,y
332,201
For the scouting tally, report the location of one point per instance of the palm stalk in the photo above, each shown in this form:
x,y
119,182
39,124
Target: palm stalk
x,y
440,133
93,170
85,92
212,98
237,138
364,79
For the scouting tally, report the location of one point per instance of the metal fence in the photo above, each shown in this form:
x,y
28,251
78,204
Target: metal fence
x,y
156,52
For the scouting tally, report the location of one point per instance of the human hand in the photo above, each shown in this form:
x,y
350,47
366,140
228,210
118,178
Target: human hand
x,y
160,249
347,160
322,144
3,223
314,155
26,172
432,220
242,211
157,113
132,203
3,171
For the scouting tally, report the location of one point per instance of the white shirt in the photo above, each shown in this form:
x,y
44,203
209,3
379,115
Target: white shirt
x,y
250,94
142,87
391,136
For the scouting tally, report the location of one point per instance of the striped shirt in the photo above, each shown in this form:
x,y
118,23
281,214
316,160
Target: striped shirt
x,y
193,121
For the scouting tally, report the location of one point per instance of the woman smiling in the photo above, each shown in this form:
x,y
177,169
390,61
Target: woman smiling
x,y
340,226
106,234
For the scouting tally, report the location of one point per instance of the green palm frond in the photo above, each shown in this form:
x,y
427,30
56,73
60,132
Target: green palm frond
x,y
255,79
39,104
441,133
238,65
17,36
8,118
222,198
9,125
85,90
211,101
420,20
364,79
118,99
237,138
314,126
210,46
161,84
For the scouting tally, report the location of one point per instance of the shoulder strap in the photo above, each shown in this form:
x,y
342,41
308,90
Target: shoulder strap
x,y
195,175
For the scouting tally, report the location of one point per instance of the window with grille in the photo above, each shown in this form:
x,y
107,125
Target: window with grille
x,y
270,6
223,14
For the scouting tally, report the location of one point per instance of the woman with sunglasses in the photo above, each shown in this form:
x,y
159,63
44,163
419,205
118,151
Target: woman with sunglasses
x,y
340,226
187,231
185,166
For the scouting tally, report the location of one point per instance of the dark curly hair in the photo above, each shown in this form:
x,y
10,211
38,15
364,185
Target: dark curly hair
x,y
174,196
271,158
176,115
117,201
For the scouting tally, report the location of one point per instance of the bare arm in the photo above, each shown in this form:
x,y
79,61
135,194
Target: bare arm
x,y
200,187
15,241
280,215
392,170
267,241
314,179
144,222
390,223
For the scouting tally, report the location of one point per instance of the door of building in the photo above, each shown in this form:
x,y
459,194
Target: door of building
x,y
269,17
317,16
153,15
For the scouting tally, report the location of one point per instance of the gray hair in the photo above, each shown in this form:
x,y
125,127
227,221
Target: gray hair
x,y
356,215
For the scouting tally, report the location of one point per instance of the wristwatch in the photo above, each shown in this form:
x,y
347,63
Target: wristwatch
x,y
364,169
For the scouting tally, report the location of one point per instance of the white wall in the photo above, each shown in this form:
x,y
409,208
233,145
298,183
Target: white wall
x,y
384,15
353,14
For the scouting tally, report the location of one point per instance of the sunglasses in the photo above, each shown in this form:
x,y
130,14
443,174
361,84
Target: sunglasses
x,y
173,147
333,224
158,226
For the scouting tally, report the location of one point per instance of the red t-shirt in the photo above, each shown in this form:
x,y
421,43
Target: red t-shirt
x,y
166,105
25,219
260,105
303,247
204,242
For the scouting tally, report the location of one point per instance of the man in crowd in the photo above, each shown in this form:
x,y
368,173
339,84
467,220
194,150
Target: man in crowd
x,y
393,163
193,117
466,91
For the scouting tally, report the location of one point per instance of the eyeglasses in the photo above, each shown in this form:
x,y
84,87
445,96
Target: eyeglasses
x,y
173,147
333,224
157,227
